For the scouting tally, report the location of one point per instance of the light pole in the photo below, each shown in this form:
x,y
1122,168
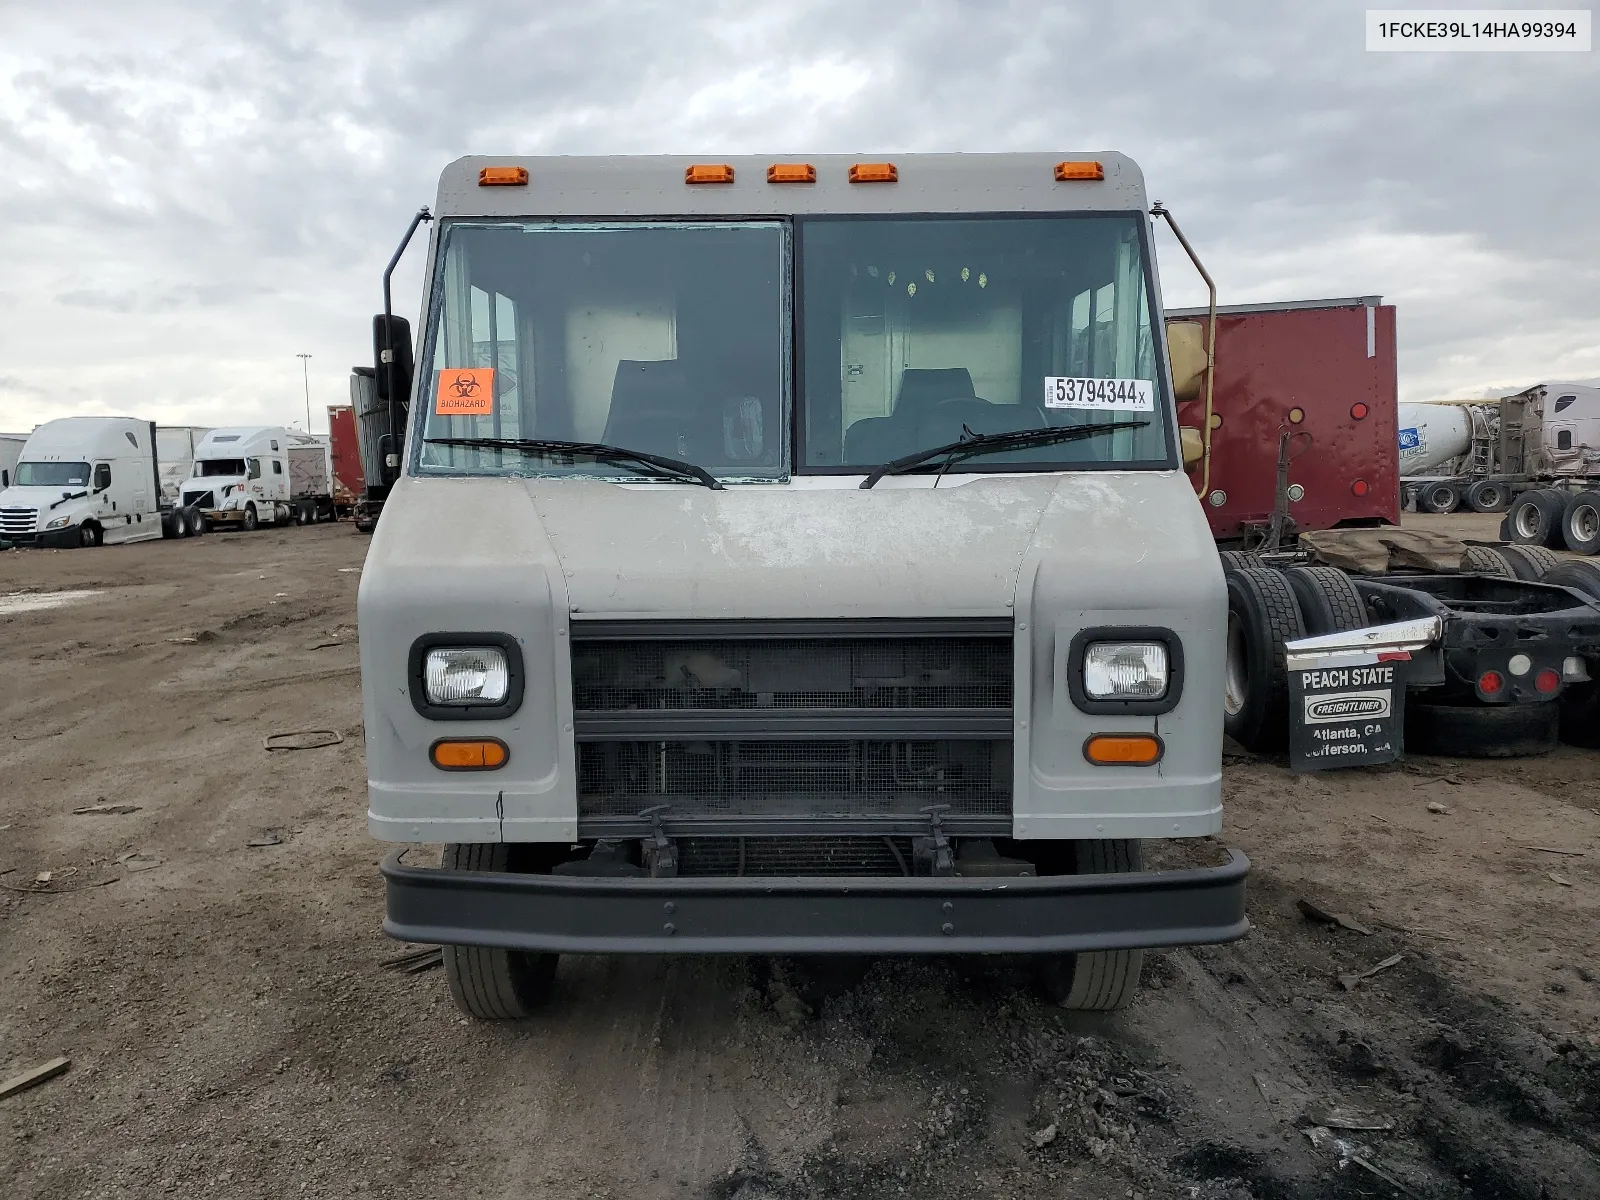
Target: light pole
x,y
305,367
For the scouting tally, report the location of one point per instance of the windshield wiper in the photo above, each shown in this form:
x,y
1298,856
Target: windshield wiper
x,y
657,465
989,443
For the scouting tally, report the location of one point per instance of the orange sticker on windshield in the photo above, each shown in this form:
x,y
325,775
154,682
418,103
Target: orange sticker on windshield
x,y
465,392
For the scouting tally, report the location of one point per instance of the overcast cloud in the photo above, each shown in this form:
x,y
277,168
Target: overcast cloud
x,y
193,193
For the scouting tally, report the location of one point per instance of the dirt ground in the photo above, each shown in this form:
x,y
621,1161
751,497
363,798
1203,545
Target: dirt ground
x,y
211,964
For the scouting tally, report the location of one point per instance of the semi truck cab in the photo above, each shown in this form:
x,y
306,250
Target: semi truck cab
x,y
84,481
241,477
794,557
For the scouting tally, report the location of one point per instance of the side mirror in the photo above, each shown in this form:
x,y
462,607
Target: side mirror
x,y
1186,348
397,335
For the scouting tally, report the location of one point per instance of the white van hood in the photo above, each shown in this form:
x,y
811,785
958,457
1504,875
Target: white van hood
x,y
778,551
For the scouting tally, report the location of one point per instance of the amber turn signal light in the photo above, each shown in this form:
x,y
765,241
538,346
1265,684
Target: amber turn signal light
x,y
462,754
503,177
708,173
1122,749
1069,171
791,173
874,173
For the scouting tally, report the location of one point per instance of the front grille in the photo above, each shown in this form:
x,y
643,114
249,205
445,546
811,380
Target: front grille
x,y
735,673
792,727
834,856
18,522
799,779
206,500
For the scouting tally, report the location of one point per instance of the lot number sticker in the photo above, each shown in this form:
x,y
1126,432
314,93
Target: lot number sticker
x,y
1127,395
465,392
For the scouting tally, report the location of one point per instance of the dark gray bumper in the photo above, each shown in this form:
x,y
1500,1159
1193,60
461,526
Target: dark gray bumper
x,y
816,916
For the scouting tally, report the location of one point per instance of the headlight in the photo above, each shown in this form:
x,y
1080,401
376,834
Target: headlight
x,y
466,675
1125,670
60,523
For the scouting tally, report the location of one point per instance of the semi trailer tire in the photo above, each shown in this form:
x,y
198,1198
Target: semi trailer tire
x,y
1238,560
1486,560
1482,730
1580,523
1439,498
1328,601
488,983
1262,616
1488,496
1530,562
1581,575
1535,518
1101,980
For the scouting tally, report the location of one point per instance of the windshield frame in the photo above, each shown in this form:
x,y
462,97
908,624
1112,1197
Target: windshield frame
x,y
424,379
792,343
1164,402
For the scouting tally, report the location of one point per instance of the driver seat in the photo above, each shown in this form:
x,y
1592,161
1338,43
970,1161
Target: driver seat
x,y
923,387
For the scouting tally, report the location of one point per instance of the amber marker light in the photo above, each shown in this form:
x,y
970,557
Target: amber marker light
x,y
469,754
1084,172
874,173
791,173
1122,749
708,173
503,177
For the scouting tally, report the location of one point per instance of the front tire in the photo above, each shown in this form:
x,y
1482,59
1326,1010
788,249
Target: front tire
x,y
1100,980
89,535
251,521
488,983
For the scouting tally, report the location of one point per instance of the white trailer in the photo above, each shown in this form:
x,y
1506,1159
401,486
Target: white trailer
x,y
1534,455
310,458
10,451
175,449
89,481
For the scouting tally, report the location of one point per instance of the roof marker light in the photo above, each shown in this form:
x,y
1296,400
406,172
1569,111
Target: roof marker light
x,y
708,173
791,173
874,173
1079,171
503,177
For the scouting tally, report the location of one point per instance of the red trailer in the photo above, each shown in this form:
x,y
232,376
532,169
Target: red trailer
x,y
1307,391
348,486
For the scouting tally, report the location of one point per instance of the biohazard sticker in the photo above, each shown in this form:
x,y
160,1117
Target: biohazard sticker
x,y
465,392
1126,395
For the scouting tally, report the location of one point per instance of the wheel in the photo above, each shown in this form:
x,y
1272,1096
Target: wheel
x,y
1529,562
1580,716
488,983
1488,496
251,521
1580,523
1262,616
1486,560
1328,601
89,535
180,523
1439,498
1585,577
197,523
1482,730
1100,980
1237,560
1535,518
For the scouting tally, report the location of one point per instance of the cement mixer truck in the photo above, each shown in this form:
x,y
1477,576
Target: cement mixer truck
x,y
1534,456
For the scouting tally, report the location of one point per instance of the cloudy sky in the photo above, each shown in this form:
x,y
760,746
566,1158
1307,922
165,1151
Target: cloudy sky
x,y
192,193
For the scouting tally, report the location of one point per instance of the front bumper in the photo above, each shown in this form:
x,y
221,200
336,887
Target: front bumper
x,y
53,539
745,915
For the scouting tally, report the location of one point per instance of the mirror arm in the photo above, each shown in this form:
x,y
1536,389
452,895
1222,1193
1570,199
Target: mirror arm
x,y
1211,346
388,315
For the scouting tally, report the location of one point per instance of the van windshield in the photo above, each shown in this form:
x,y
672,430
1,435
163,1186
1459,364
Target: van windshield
x,y
218,466
53,474
920,332
666,338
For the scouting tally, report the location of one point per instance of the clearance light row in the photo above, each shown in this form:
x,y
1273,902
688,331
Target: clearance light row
x,y
878,172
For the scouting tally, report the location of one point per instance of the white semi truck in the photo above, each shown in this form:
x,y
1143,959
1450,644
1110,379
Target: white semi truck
x,y
1534,456
261,475
89,481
